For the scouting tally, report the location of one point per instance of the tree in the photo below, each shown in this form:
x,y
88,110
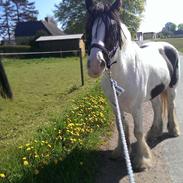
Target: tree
x,y
72,14
24,11
6,23
14,11
180,27
169,29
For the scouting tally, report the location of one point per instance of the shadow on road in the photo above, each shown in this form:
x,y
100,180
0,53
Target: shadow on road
x,y
163,137
112,171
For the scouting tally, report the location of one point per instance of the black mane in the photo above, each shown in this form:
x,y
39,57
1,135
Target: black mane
x,y
113,30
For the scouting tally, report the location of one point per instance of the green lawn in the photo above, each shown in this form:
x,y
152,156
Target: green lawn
x,y
177,42
42,89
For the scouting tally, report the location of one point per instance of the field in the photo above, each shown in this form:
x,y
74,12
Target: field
x,y
43,90
177,42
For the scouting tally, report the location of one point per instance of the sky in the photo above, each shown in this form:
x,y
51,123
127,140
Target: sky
x,y
45,7
157,13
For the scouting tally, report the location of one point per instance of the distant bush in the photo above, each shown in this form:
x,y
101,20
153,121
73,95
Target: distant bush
x,y
14,48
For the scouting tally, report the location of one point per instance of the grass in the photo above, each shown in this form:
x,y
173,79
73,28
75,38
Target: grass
x,y
43,89
40,89
177,42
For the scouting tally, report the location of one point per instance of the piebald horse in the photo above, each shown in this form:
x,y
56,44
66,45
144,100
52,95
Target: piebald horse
x,y
150,72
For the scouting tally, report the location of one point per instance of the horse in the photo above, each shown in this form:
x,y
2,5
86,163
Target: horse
x,y
5,89
147,73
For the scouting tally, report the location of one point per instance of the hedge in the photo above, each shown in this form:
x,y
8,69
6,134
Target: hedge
x,y
14,48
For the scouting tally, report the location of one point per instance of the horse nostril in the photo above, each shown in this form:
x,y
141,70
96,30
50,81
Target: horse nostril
x,y
102,64
88,64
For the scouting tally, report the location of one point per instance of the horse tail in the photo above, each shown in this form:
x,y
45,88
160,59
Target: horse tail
x,y
164,104
5,89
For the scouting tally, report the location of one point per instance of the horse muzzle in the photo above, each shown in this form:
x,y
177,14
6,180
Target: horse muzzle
x,y
95,67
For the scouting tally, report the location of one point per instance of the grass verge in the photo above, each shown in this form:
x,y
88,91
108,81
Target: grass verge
x,y
45,135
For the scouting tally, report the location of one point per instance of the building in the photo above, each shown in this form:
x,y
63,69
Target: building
x,y
146,35
28,31
70,43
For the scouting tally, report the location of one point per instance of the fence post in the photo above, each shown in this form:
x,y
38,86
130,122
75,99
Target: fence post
x,y
81,67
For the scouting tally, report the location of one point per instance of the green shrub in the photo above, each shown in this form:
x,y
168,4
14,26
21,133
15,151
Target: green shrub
x,y
14,48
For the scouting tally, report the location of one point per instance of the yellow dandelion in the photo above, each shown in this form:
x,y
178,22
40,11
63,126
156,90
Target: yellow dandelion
x,y
28,149
36,156
20,147
24,158
26,163
27,144
49,145
2,175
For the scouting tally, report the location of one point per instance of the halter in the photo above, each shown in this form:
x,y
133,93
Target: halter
x,y
107,54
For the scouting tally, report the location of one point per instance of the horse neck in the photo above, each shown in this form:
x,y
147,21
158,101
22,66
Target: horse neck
x,y
122,63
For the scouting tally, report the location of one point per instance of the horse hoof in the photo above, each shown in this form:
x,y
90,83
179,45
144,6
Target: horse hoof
x,y
174,133
143,164
153,135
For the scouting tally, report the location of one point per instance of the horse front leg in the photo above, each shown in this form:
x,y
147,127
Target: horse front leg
x,y
118,151
143,155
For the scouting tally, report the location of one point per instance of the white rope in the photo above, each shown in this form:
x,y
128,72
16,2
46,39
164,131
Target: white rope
x,y
116,91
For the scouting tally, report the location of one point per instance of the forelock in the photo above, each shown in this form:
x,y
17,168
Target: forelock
x,y
101,10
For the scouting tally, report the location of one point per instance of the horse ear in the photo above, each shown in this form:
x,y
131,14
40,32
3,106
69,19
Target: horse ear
x,y
116,5
89,5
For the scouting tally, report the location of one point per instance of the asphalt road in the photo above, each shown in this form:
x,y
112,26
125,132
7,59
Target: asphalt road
x,y
174,147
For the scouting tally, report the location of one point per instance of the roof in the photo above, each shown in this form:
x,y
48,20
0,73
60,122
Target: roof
x,y
52,28
61,37
30,28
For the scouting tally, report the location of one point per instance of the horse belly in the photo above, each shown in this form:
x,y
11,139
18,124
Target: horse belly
x,y
127,100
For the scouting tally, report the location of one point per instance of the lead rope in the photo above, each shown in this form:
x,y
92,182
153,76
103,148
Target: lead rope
x,y
117,90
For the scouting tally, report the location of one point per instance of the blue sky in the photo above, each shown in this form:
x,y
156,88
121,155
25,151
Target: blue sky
x,y
45,7
158,12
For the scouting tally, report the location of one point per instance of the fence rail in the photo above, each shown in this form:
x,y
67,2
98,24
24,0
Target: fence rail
x,y
38,53
51,52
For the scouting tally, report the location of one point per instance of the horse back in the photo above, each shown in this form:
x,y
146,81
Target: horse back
x,y
170,56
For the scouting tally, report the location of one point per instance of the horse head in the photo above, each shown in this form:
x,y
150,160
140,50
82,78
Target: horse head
x,y
103,35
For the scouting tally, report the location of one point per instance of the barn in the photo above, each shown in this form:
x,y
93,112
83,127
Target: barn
x,y
72,43
25,32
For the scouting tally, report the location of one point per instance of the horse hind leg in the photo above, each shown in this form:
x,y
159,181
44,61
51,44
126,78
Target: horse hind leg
x,y
157,126
172,126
